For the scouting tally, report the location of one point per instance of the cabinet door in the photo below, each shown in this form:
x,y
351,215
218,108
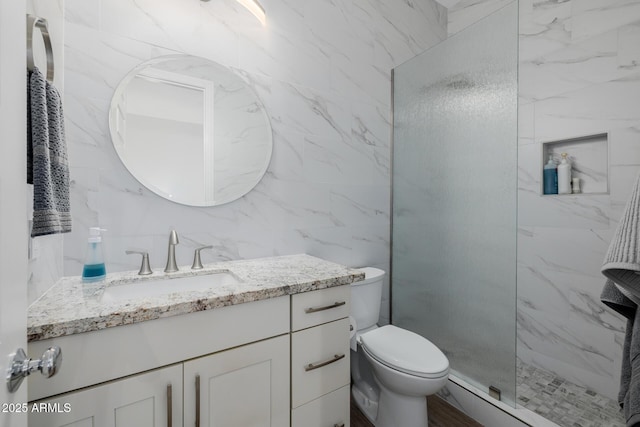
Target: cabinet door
x,y
137,401
244,387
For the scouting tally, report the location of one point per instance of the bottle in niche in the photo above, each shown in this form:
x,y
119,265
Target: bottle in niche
x,y
94,269
564,175
550,177
575,186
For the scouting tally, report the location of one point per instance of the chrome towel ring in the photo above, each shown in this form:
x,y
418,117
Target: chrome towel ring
x,y
34,22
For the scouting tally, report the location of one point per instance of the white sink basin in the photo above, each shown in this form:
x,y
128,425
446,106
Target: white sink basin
x,y
165,286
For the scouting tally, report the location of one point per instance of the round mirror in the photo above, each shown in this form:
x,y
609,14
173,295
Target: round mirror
x,y
190,130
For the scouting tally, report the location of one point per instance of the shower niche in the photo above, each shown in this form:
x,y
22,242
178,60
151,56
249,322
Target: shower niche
x,y
589,157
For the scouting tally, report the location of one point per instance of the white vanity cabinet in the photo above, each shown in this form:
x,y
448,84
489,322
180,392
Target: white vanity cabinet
x,y
320,362
276,362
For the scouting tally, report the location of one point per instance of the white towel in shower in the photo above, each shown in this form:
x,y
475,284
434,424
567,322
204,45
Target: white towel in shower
x,y
622,262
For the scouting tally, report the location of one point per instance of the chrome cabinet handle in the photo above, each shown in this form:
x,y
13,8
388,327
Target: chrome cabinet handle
x,y
326,307
169,406
21,366
145,269
197,400
197,262
316,365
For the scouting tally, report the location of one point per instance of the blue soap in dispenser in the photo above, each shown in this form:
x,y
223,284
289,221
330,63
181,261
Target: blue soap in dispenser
x,y
94,268
550,177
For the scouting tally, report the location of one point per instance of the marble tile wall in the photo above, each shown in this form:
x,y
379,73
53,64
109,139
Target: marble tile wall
x,y
322,68
579,75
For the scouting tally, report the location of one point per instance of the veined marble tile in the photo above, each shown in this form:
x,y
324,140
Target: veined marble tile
x,y
96,61
623,178
591,110
333,161
370,244
589,211
551,268
566,70
545,27
361,204
591,17
167,24
286,56
568,342
467,12
371,124
399,28
625,146
330,243
629,46
87,132
82,12
287,158
306,111
526,124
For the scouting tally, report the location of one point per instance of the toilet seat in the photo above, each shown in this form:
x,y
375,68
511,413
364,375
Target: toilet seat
x,y
405,351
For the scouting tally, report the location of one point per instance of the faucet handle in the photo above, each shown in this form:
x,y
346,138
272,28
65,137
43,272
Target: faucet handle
x,y
197,263
145,270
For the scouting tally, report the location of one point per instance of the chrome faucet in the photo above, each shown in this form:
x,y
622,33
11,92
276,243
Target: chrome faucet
x,y
171,257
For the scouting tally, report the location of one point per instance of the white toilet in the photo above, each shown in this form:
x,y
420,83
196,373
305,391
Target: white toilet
x,y
393,370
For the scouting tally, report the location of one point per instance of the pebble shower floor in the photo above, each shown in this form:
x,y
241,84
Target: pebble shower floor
x,y
564,403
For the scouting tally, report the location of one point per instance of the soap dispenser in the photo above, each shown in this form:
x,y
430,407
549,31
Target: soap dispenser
x,y
550,177
94,268
564,175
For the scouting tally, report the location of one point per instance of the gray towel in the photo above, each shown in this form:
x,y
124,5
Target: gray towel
x,y
622,262
47,163
629,394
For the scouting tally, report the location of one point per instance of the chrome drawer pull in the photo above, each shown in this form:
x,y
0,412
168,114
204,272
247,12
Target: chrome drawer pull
x,y
169,406
312,366
326,307
197,400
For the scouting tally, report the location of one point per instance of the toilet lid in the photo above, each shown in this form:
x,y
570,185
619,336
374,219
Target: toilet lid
x,y
405,351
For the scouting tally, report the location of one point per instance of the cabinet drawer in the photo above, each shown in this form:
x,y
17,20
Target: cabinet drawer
x,y
319,361
314,308
330,410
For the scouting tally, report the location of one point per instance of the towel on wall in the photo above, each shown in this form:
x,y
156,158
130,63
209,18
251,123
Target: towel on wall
x,y
629,393
47,162
622,262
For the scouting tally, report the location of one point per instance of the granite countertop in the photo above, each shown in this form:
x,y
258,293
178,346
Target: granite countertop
x,y
72,307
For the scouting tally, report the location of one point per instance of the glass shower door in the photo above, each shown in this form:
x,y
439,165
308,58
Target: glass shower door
x,y
454,199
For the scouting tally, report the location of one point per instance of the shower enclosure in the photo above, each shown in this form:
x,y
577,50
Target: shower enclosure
x,y
455,200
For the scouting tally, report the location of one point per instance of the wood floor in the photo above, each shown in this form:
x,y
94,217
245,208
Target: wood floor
x,y
441,414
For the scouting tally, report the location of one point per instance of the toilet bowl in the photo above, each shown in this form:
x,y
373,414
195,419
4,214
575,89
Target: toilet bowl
x,y
393,370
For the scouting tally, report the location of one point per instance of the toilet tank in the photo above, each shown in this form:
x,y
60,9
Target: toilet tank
x,y
366,296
